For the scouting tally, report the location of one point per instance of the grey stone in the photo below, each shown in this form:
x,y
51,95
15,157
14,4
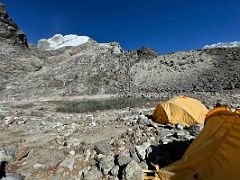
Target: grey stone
x,y
179,126
73,142
143,165
114,178
106,164
166,140
123,159
133,171
4,156
141,150
123,114
37,113
93,174
14,176
69,163
143,119
153,124
134,155
194,130
3,114
102,147
115,170
37,166
183,133
8,153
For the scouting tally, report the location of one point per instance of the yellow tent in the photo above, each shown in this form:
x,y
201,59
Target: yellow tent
x,y
213,155
181,109
217,109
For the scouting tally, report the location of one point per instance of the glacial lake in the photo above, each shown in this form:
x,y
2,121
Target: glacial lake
x,y
83,106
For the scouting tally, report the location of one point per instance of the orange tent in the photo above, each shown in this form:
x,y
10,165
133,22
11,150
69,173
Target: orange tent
x,y
183,110
213,155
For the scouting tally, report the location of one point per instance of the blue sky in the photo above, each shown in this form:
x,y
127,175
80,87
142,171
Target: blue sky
x,y
165,25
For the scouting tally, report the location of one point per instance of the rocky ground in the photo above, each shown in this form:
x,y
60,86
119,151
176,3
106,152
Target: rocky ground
x,y
41,143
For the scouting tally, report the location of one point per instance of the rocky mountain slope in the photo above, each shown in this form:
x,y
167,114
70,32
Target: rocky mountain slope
x,y
16,59
75,66
95,68
9,31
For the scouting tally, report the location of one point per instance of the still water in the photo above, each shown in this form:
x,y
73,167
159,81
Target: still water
x,y
83,106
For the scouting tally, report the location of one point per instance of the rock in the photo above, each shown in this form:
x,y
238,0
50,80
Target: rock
x,y
4,156
9,31
166,140
68,163
221,103
141,150
23,153
36,113
106,164
123,114
3,113
143,119
115,170
73,142
37,166
147,53
93,174
7,121
102,147
183,133
83,172
143,165
72,153
123,160
114,178
14,176
61,140
87,154
133,171
8,153
21,120
134,155
194,130
153,124
179,126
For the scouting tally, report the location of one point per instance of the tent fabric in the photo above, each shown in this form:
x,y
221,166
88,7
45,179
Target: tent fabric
x,y
182,110
237,111
160,115
213,155
217,109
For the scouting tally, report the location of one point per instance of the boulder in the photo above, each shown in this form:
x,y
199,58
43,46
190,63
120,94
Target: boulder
x,y
133,171
93,174
141,150
102,147
106,164
68,163
123,159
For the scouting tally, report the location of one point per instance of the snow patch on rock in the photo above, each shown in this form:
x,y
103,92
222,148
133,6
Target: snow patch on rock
x,y
223,45
59,41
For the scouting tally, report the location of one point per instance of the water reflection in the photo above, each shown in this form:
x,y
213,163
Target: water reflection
x,y
104,104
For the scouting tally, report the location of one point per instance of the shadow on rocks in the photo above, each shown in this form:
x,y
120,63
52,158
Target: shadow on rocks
x,y
165,154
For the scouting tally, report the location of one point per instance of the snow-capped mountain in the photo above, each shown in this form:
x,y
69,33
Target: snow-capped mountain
x,y
223,45
59,41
